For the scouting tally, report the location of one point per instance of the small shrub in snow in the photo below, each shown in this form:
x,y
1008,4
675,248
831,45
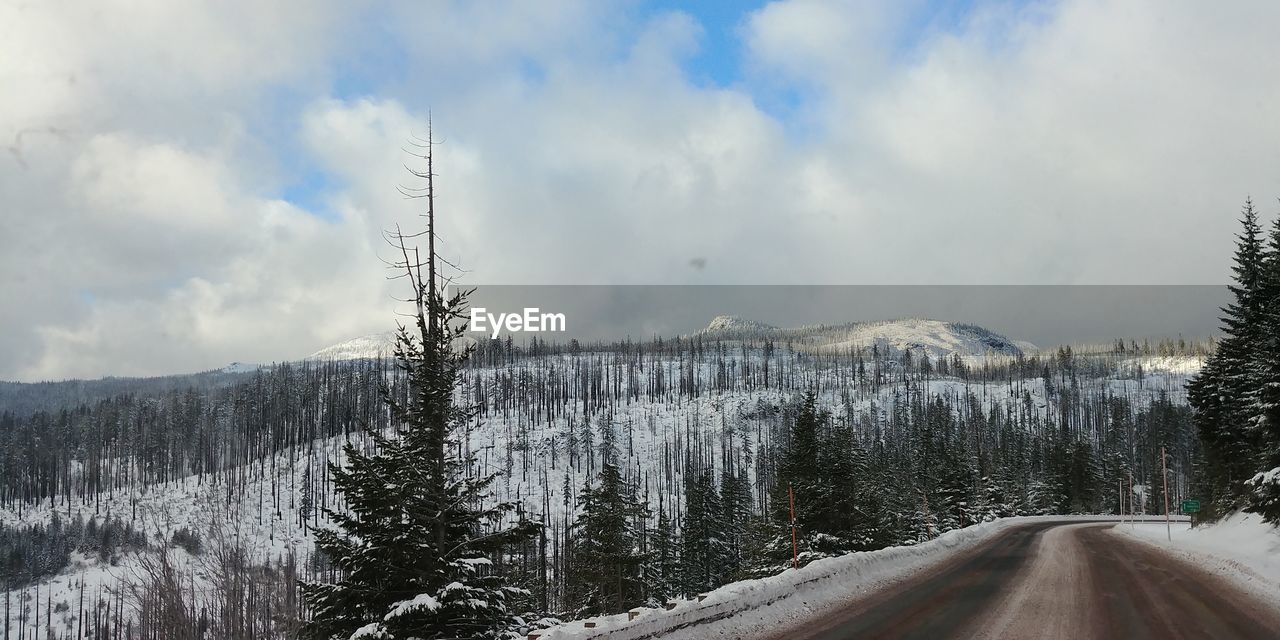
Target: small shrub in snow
x,y
188,541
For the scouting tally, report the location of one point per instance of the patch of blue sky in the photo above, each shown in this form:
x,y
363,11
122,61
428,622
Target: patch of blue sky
x,y
375,63
309,188
719,59
297,177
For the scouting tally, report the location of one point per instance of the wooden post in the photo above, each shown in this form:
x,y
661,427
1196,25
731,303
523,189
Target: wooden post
x,y
1164,475
795,556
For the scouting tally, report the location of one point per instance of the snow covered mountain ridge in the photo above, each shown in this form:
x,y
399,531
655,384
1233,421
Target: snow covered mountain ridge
x,y
919,335
732,324
374,345
933,337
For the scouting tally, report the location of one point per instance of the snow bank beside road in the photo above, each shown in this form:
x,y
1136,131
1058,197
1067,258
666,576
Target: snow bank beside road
x,y
750,607
1241,548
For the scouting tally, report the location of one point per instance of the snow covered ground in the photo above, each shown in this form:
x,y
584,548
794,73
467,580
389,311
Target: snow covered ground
x,y
1241,548
249,516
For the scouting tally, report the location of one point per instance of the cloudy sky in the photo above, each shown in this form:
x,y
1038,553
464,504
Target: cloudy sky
x,y
186,184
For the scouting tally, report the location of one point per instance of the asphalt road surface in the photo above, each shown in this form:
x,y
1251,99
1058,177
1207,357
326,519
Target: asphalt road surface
x,y
1052,581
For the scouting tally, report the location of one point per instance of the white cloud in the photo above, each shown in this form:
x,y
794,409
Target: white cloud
x,y
828,44
143,231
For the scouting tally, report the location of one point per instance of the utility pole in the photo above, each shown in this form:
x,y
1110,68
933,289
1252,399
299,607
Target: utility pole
x,y
1121,490
1164,475
1132,513
795,556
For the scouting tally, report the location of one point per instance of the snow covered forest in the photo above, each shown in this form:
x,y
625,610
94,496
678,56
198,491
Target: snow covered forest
x,y
666,462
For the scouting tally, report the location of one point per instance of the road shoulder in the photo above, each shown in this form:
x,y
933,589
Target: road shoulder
x,y
1241,551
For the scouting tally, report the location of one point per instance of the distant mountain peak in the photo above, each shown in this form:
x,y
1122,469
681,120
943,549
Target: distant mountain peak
x,y
936,338
371,347
731,323
374,345
241,367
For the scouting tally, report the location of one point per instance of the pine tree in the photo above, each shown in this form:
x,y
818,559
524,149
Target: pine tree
x,y
847,513
735,506
1265,485
416,545
701,538
1268,367
1225,392
957,483
1043,497
801,470
798,468
665,564
606,574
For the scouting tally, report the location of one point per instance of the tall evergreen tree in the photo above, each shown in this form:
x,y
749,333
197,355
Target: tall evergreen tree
x,y
701,535
665,560
1265,485
415,546
606,575
1268,368
798,466
847,513
836,505
735,506
1225,391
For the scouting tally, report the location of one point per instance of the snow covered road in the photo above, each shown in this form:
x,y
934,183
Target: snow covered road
x,y
1053,580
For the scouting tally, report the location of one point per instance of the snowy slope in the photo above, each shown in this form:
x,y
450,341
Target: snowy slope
x,y
374,345
936,338
1185,365
736,325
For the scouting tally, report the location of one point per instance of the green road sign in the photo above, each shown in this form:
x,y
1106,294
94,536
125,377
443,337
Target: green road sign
x,y
1190,506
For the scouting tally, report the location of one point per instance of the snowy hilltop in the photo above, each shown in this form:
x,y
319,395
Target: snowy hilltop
x,y
374,345
936,338
737,325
